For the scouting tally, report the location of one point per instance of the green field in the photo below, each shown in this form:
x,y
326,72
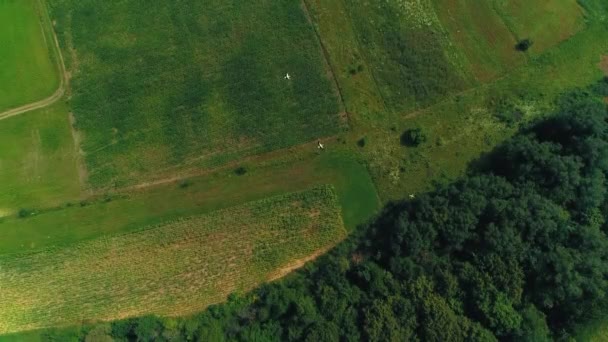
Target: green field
x,y
116,214
40,169
28,68
173,269
545,22
462,124
170,98
159,86
412,62
479,31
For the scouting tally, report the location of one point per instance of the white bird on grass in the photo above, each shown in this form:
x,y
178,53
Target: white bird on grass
x,y
287,76
320,146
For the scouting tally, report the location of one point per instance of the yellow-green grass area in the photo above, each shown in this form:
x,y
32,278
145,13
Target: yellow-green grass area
x,y
459,127
38,161
28,64
176,268
480,32
545,22
120,213
158,85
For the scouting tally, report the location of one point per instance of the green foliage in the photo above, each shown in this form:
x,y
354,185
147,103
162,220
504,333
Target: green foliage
x,y
24,212
523,45
240,171
413,137
362,142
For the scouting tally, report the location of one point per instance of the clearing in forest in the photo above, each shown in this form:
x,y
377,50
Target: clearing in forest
x,y
158,86
28,68
176,268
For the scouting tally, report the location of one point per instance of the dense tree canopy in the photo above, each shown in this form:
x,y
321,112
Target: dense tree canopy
x,y
516,250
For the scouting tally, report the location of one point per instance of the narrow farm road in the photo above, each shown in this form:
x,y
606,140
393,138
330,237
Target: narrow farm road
x,y
35,105
56,96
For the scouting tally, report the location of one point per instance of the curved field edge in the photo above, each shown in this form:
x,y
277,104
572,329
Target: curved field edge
x,y
35,56
173,269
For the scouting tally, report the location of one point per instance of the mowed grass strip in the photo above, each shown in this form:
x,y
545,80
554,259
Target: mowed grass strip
x,y
28,68
38,161
173,269
159,84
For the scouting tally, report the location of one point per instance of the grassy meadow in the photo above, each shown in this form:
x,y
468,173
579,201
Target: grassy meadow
x,y
412,61
545,22
40,169
160,85
465,122
176,268
480,33
113,214
28,68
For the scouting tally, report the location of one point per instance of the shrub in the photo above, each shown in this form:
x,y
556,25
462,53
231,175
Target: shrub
x,y
361,142
23,213
240,171
413,137
523,45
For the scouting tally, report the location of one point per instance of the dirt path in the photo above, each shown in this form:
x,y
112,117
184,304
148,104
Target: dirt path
x,y
58,94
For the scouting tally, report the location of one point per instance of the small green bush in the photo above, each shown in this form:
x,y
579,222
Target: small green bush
x,y
361,142
23,213
523,45
413,137
240,171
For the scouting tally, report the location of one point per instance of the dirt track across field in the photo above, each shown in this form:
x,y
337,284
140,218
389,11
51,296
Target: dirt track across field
x,y
58,94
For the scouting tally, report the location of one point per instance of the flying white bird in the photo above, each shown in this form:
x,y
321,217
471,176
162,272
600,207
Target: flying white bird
x,y
412,196
287,77
321,146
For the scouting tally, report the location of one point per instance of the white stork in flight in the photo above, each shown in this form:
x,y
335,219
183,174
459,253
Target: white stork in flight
x,y
287,76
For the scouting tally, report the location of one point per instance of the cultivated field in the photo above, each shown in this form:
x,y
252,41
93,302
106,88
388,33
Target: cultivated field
x,y
157,86
172,269
410,56
28,68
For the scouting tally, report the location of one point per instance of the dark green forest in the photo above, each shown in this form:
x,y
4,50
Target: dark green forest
x,y
516,250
